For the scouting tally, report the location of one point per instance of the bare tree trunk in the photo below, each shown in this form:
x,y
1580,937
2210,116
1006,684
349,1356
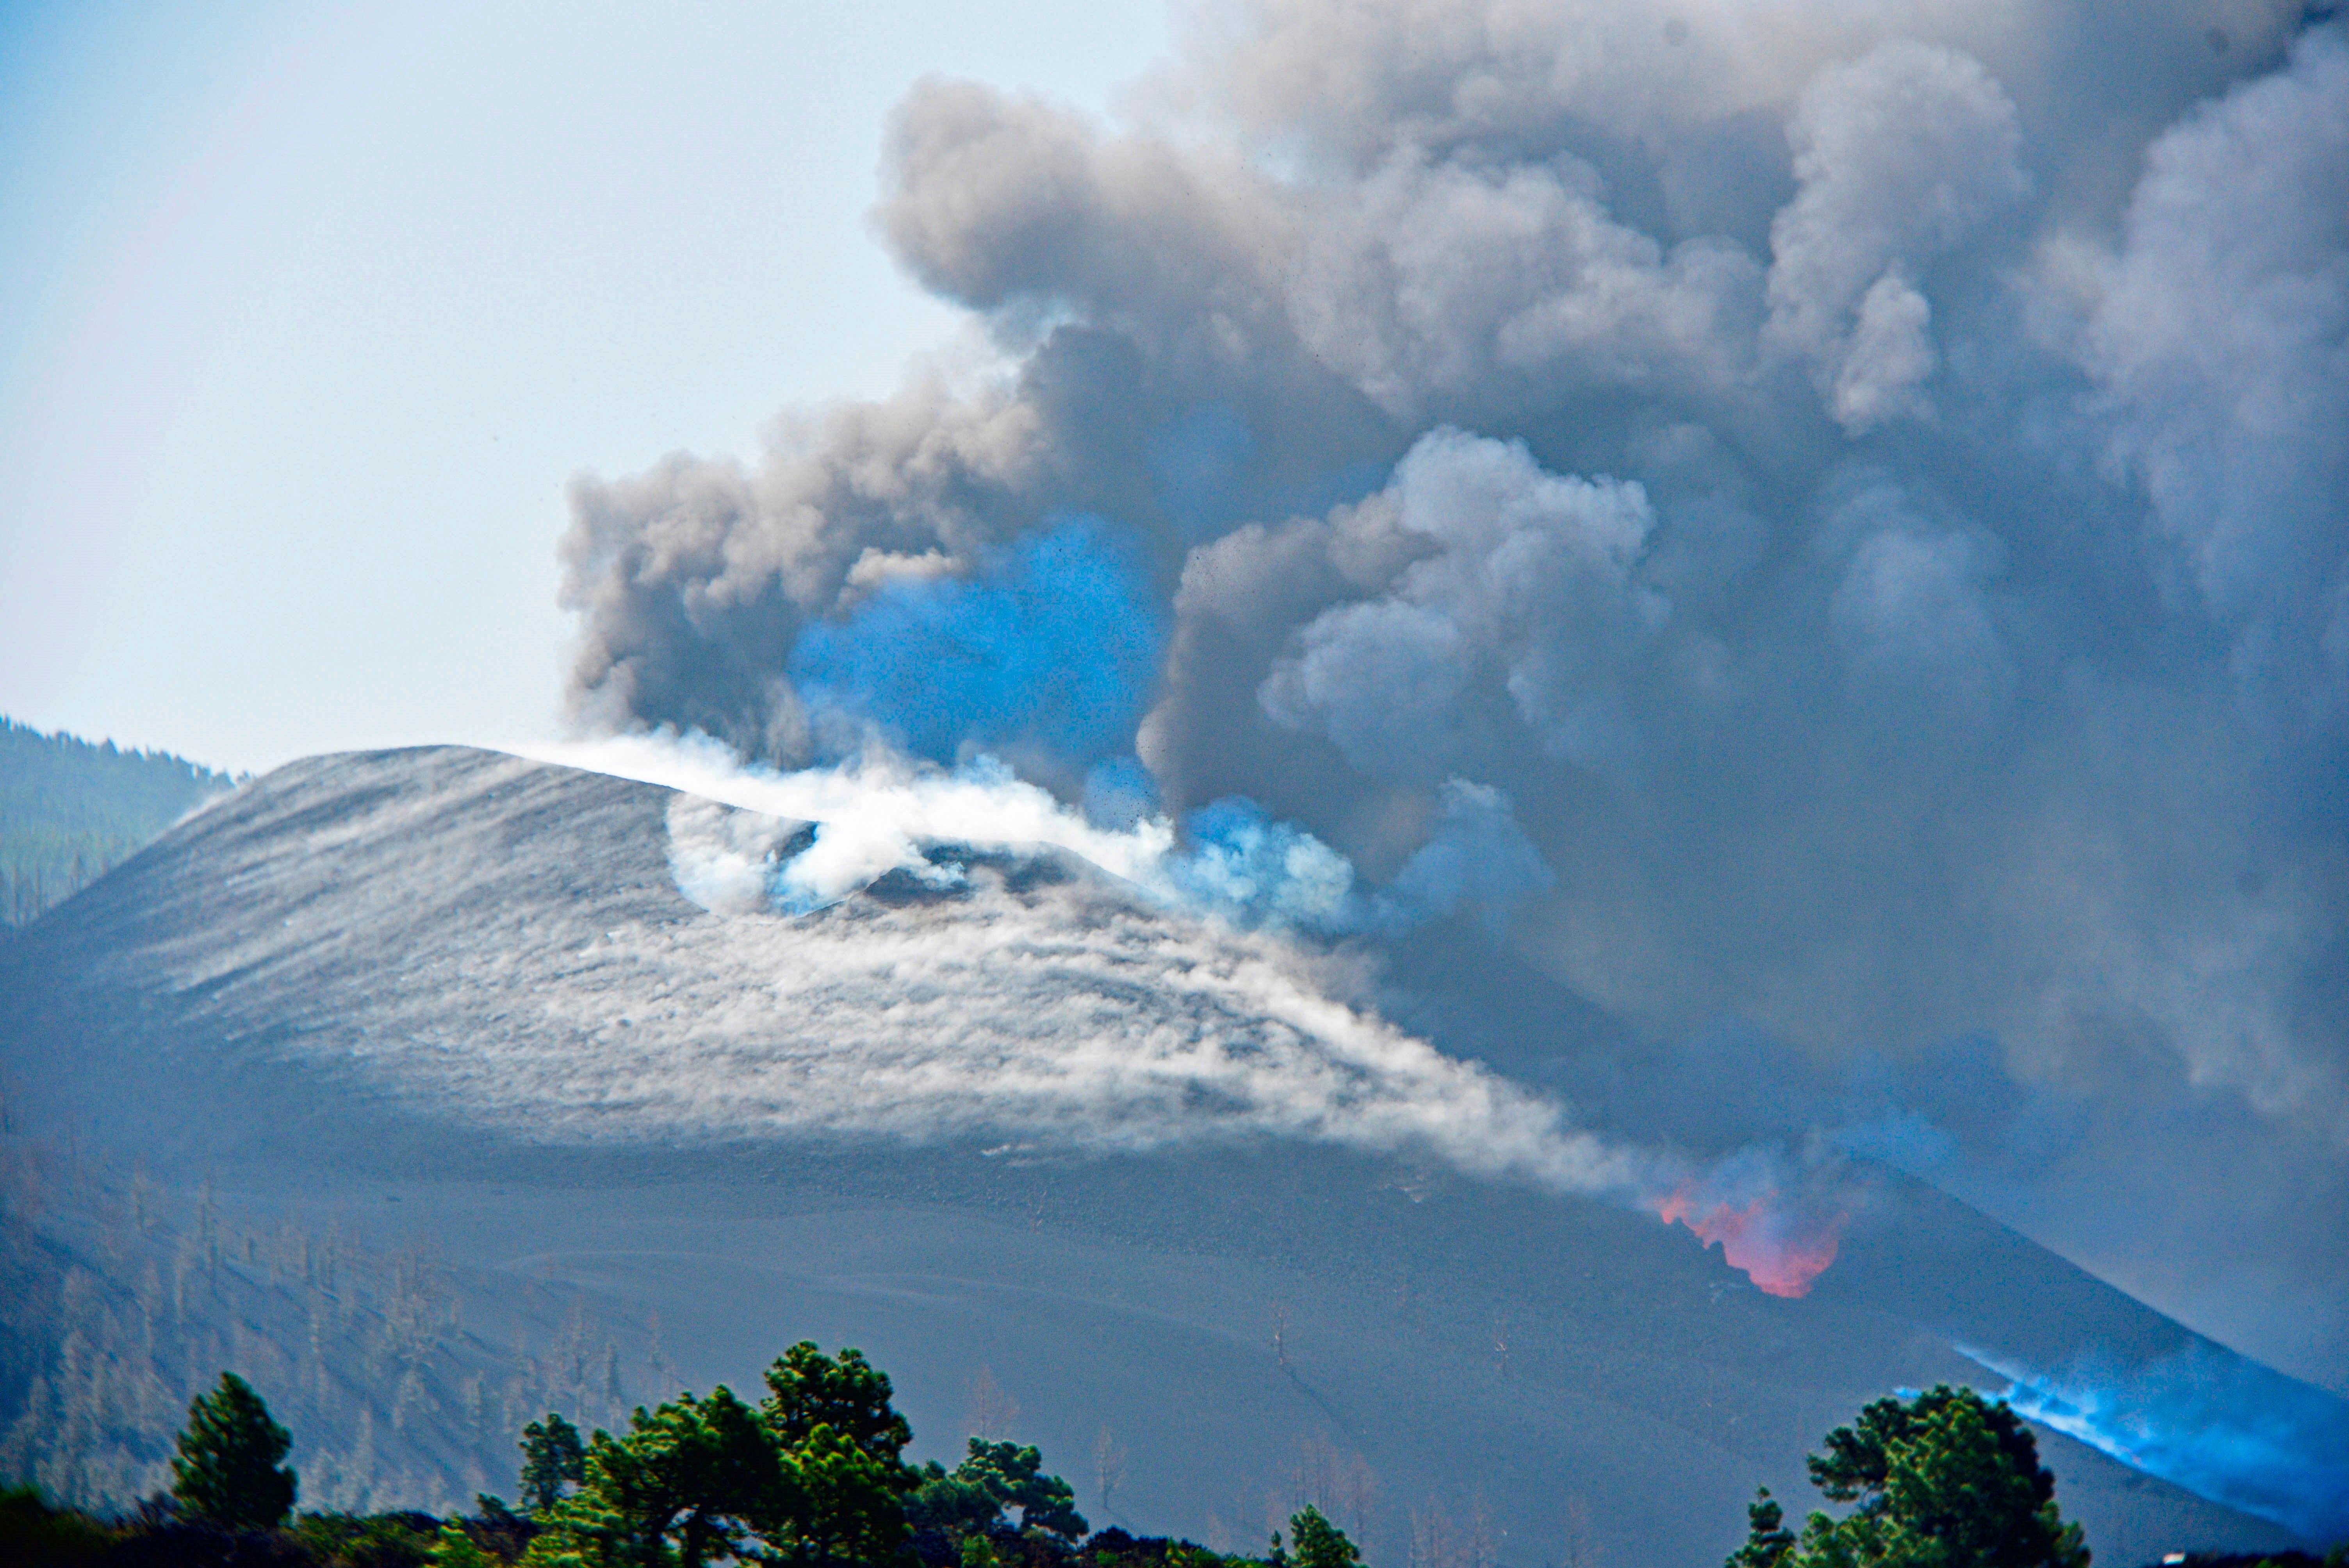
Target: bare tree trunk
x,y
992,1412
1109,1465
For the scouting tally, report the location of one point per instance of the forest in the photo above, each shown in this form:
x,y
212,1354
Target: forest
x,y
70,810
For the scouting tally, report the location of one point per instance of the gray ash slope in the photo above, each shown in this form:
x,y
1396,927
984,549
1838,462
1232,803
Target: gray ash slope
x,y
452,1006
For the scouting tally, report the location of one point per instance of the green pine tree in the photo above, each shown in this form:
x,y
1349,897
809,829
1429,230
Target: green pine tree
x,y
1318,1543
452,1548
694,1481
1946,1478
807,1389
943,1501
1013,1475
227,1471
551,1454
1768,1542
851,1504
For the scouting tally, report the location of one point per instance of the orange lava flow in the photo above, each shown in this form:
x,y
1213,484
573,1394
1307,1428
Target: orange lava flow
x,y
1775,1248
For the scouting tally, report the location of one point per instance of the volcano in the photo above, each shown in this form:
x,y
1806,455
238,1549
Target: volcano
x,y
432,1088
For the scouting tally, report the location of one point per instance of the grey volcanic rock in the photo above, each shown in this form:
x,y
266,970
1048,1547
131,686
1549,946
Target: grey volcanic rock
x,y
1020,1134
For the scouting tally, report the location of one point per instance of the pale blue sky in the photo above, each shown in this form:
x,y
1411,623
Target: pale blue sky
x,y
306,313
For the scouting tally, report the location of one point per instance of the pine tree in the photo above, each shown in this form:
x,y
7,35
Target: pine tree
x,y
227,1470
452,1548
1768,1542
1947,1476
1013,1475
551,1454
807,1389
692,1482
1318,1543
849,1507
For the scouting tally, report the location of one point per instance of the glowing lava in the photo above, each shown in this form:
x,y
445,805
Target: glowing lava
x,y
1780,1249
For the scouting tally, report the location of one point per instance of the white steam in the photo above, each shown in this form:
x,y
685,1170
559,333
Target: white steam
x,y
802,840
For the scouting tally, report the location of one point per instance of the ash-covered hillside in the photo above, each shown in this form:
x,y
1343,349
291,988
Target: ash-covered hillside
x,y
429,1087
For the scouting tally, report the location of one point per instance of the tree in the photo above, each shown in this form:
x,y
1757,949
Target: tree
x,y
807,1389
1318,1543
452,1548
1948,1480
551,1454
947,1501
1109,1465
1013,1476
699,1481
992,1411
852,1506
697,1477
1768,1542
227,1471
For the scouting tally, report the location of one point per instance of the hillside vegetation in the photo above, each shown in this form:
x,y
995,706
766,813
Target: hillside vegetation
x,y
813,1475
71,810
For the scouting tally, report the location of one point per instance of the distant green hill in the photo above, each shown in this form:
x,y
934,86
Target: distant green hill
x,y
69,811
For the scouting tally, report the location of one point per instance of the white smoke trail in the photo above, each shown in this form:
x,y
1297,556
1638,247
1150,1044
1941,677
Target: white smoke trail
x,y
876,811
1126,1011
879,813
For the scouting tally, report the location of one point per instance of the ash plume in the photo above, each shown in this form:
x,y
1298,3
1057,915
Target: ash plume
x,y
1868,485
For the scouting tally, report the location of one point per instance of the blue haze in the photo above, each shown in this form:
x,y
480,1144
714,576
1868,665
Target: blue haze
x,y
1054,643
2221,1427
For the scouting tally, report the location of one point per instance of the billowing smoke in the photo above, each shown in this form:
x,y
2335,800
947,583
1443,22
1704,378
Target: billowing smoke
x,y
1824,527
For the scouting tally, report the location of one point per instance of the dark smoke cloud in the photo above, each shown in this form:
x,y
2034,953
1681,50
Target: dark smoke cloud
x,y
1862,491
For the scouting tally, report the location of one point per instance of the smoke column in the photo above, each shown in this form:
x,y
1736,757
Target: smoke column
x,y
1821,528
